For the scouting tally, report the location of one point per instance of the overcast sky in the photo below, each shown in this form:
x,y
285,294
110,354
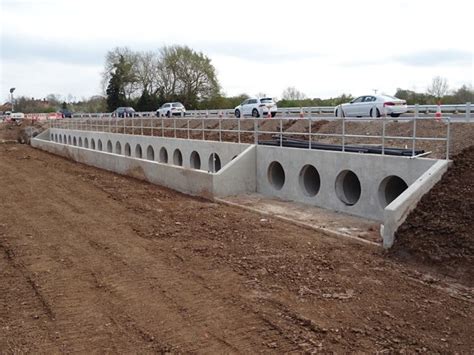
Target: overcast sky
x,y
323,48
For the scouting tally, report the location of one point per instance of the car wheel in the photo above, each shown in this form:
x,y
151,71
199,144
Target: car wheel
x,y
342,113
274,114
255,113
168,114
371,112
395,114
237,113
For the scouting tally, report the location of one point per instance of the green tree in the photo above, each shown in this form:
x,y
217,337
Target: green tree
x,y
116,96
146,102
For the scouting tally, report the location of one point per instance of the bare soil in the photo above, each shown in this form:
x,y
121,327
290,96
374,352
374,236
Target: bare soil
x,y
440,231
95,262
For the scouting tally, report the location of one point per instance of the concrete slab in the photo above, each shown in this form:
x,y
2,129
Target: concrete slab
x,y
328,222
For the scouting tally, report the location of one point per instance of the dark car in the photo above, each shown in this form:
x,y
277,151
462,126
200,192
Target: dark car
x,y
65,113
124,112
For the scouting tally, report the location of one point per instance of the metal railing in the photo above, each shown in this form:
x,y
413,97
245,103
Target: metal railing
x,y
244,130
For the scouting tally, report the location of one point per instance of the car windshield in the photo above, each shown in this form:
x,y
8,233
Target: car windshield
x,y
266,100
177,105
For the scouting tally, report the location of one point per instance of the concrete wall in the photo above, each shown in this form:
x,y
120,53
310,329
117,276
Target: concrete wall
x,y
371,170
225,151
397,211
183,178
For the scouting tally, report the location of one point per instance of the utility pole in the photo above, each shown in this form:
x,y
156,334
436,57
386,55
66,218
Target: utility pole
x,y
11,94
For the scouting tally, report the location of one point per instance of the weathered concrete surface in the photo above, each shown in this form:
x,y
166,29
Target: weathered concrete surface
x,y
397,211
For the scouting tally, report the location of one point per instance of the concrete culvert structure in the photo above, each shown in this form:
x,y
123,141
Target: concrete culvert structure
x,y
86,143
128,151
348,187
92,143
118,148
69,141
80,141
309,180
163,155
109,146
138,151
150,153
60,138
177,158
195,160
276,175
390,188
74,141
99,145
65,139
214,163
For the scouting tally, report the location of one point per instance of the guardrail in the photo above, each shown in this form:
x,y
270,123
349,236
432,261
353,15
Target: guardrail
x,y
202,128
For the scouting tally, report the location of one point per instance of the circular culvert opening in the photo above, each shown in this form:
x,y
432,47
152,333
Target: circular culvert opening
x,y
390,188
118,148
109,146
74,141
177,158
69,141
309,179
99,145
276,175
348,187
80,142
65,139
150,153
138,151
163,155
128,151
92,143
214,163
195,160
86,143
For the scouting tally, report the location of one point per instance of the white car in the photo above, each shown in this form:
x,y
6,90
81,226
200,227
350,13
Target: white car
x,y
254,107
364,106
171,109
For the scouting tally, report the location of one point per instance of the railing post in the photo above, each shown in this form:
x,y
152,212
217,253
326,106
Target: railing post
x,y
220,130
448,137
141,124
174,126
255,131
468,112
281,132
203,134
187,123
309,131
343,133
162,127
383,134
414,137
238,128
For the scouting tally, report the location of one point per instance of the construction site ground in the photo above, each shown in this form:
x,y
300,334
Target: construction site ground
x,y
91,261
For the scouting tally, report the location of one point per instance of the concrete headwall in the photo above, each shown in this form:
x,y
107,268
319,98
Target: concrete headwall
x,y
347,182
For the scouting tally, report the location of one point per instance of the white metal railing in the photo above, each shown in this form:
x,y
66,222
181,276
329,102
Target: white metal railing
x,y
251,130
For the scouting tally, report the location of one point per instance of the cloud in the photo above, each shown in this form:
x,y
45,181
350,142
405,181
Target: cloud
x,y
436,57
30,49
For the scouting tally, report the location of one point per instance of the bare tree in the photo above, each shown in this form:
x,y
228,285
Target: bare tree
x,y
291,93
438,88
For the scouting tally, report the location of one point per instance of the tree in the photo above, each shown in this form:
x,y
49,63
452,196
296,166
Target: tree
x,y
292,94
116,96
438,88
146,102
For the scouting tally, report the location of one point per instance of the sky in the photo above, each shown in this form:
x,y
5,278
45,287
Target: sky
x,y
323,48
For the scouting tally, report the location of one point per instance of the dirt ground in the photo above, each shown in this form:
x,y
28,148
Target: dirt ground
x,y
95,262
440,231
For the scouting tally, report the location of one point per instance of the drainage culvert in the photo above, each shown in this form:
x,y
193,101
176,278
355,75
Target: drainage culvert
x,y
128,151
214,163
177,158
195,160
138,151
118,148
163,155
348,187
390,188
150,153
276,175
309,180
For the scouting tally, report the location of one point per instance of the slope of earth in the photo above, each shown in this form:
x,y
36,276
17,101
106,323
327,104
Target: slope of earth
x,y
95,262
440,230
